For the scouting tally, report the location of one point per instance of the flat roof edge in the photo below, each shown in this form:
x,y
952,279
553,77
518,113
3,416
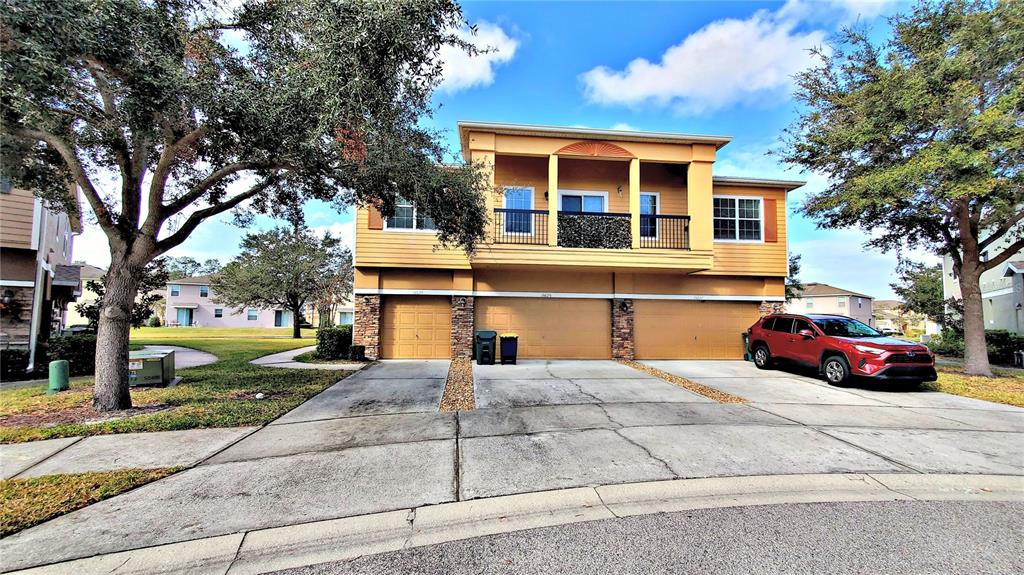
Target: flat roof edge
x,y
625,135
759,182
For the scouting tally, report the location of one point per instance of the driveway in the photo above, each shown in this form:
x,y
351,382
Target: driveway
x,y
375,442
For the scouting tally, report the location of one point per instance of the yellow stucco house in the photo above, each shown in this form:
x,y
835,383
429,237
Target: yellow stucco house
x,y
602,244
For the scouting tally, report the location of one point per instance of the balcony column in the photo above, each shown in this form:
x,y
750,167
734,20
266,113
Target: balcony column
x,y
552,200
634,201
486,159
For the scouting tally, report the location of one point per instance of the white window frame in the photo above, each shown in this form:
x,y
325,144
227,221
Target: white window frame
x,y
657,210
413,229
207,288
252,314
810,304
172,288
760,207
505,189
841,301
218,312
603,195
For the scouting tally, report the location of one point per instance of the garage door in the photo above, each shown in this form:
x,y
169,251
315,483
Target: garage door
x,y
416,327
672,329
551,328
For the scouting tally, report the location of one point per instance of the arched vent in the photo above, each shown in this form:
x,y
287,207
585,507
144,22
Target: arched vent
x,y
595,149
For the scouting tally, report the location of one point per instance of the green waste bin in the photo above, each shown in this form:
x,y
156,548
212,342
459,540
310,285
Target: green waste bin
x,y
150,367
746,347
59,370
484,347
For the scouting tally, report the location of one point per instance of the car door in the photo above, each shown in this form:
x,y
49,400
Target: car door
x,y
779,337
804,350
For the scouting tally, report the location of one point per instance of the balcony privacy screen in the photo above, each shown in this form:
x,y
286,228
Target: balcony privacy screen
x,y
608,231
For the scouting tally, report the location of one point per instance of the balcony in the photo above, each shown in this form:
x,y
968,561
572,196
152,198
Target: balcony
x,y
591,230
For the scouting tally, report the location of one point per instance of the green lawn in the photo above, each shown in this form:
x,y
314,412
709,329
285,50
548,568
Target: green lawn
x,y
221,394
1006,387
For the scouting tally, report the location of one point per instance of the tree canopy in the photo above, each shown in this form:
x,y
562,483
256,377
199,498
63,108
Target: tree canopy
x,y
922,139
279,269
793,284
920,289
185,267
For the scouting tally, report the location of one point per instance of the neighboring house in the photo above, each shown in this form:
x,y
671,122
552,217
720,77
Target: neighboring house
x,y
344,313
190,303
601,244
823,298
87,273
36,280
889,315
1002,290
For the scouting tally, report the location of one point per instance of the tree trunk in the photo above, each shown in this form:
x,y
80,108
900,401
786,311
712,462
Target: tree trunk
x,y
111,391
296,318
975,350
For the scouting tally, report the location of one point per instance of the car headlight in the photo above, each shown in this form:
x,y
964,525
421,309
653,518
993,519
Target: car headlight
x,y
869,349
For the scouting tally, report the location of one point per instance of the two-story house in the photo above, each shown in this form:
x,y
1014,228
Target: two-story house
x,y
36,280
823,298
601,244
1002,289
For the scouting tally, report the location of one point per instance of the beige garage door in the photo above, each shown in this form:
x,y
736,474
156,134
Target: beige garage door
x,y
672,329
551,328
416,327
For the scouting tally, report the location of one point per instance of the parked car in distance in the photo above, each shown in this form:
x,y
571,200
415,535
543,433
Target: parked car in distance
x,y
889,331
839,347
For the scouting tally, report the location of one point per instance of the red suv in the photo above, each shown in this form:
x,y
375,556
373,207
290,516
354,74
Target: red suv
x,y
839,347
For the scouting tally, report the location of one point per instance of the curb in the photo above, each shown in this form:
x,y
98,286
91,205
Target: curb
x,y
292,546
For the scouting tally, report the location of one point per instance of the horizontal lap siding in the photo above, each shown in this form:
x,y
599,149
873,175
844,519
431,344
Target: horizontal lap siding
x,y
769,258
384,248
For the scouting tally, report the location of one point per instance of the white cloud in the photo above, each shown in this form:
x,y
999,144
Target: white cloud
x,y
462,71
624,127
727,62
345,231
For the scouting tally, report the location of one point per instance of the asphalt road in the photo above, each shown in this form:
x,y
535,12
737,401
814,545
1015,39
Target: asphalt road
x,y
891,537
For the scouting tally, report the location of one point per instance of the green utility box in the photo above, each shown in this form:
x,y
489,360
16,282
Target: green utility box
x,y
150,367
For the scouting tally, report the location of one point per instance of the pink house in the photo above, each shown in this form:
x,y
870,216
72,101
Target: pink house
x,y
190,303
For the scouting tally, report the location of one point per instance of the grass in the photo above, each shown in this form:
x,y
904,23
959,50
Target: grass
x,y
1006,387
221,394
28,502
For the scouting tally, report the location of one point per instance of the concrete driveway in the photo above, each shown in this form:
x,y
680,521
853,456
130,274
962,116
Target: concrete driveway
x,y
375,442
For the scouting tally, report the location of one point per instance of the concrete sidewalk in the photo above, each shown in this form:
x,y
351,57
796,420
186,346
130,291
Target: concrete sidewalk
x,y
285,359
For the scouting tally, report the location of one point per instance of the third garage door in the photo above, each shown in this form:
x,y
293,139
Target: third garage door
x,y
551,328
673,329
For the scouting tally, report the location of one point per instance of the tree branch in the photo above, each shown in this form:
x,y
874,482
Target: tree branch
x,y
1011,250
1001,230
185,200
99,207
163,171
199,216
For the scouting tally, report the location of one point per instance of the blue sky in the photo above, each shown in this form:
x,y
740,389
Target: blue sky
x,y
694,67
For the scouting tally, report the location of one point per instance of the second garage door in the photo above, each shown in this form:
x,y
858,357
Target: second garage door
x,y
673,329
416,327
551,328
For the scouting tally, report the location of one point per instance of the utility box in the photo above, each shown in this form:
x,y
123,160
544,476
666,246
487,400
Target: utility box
x,y
150,367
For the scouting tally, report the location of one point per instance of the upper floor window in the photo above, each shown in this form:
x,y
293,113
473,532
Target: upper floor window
x,y
204,291
737,219
810,303
519,199
582,202
175,289
841,301
648,208
408,217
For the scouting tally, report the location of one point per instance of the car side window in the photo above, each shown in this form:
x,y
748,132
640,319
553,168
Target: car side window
x,y
768,323
801,325
783,324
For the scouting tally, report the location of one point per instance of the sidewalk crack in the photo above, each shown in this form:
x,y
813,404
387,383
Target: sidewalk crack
x,y
601,499
648,452
411,520
238,553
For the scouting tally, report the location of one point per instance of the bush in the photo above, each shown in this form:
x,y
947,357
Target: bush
x,y
947,343
154,321
13,363
79,350
333,342
357,353
1001,345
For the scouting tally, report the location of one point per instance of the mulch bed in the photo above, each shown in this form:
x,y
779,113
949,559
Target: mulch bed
x,y
458,390
686,384
82,414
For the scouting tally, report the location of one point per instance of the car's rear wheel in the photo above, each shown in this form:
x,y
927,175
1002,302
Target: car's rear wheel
x,y
762,357
836,370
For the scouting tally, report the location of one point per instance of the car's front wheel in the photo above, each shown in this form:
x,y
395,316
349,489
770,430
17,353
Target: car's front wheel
x,y
762,357
836,370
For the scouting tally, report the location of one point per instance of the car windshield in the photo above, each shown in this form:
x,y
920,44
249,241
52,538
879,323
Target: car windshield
x,y
844,327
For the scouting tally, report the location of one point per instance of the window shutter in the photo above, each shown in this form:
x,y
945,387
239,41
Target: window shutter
x,y
771,221
376,220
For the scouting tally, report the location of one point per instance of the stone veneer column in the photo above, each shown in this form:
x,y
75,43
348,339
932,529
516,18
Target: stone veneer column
x,y
366,330
622,329
462,327
770,307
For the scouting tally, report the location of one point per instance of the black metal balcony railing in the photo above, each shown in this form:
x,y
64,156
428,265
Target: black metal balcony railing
x,y
603,230
594,230
665,232
520,226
